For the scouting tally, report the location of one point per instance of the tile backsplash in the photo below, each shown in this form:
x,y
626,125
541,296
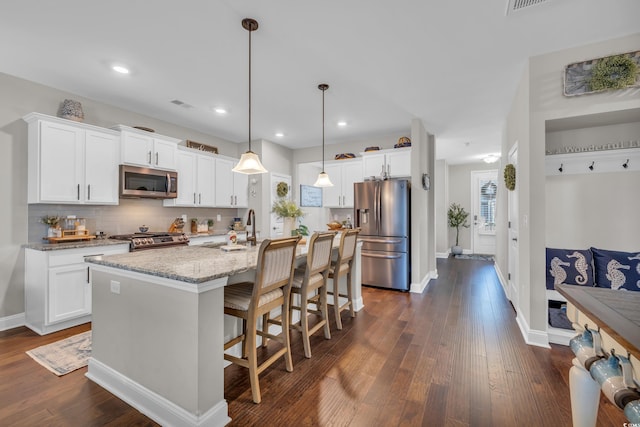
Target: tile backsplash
x,y
126,217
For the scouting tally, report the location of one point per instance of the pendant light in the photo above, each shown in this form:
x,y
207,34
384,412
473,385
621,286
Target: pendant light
x,y
249,162
323,178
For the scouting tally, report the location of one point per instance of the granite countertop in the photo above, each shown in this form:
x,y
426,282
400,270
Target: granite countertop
x,y
74,245
191,264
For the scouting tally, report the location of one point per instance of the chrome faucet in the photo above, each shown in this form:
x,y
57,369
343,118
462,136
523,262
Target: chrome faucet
x,y
251,239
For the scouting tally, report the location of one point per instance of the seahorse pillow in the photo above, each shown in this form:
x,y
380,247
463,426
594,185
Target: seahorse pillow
x,y
569,267
617,270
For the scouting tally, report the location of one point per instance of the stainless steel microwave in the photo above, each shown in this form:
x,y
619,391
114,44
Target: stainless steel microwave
x,y
150,183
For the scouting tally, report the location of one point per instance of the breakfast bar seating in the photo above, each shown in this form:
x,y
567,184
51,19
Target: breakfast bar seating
x,y
343,266
251,300
310,283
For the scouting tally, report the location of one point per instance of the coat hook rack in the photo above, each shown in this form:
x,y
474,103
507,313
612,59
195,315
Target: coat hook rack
x,y
561,169
591,167
626,164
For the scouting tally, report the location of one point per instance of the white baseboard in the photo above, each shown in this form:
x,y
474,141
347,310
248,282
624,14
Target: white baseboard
x,y
418,288
151,404
10,322
531,336
442,254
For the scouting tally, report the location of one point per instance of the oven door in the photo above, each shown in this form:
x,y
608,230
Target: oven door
x,y
139,182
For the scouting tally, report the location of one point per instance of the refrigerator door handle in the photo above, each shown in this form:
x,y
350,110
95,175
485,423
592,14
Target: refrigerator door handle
x,y
371,255
380,240
376,208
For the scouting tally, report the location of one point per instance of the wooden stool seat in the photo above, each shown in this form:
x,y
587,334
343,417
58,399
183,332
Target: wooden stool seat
x,y
250,300
341,267
310,283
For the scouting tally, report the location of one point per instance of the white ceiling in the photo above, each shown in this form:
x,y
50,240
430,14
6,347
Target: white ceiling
x,y
453,64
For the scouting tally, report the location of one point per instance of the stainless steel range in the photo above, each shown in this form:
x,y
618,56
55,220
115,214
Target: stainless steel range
x,y
153,240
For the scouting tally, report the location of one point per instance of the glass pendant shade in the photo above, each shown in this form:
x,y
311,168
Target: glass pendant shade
x,y
323,177
249,164
323,180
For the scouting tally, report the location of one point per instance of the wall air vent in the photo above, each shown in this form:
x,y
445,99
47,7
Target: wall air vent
x,y
518,5
181,104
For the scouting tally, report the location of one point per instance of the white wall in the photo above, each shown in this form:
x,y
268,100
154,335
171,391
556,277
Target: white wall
x,y
440,185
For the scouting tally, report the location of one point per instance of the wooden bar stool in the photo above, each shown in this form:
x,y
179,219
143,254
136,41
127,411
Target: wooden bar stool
x,y
341,267
310,282
250,300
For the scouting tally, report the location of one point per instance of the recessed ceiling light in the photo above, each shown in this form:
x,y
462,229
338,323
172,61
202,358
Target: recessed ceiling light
x,y
342,123
279,134
120,69
220,110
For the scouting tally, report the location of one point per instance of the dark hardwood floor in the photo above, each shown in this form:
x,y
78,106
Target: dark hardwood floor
x,y
451,356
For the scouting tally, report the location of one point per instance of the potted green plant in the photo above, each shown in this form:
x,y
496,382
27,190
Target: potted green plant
x,y
289,212
457,217
53,224
210,224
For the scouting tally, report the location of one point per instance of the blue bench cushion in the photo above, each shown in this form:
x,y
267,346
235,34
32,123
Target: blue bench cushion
x,y
570,267
617,270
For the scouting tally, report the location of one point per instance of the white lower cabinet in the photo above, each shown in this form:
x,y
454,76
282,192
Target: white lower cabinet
x,y
58,286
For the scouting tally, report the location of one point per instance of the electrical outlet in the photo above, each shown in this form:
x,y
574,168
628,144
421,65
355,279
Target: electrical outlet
x,y
115,287
219,218
184,218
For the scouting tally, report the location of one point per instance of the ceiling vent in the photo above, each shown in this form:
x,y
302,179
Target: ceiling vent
x,y
518,5
181,104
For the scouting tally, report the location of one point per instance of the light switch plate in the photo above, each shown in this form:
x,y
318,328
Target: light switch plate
x,y
115,287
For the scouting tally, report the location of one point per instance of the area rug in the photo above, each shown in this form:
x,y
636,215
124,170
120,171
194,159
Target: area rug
x,y
476,257
64,356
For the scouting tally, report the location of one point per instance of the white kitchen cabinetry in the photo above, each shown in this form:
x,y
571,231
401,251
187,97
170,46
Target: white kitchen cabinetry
x,y
58,286
342,174
231,187
196,173
71,163
395,163
146,149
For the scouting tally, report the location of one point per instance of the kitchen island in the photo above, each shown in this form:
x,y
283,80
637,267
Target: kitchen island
x,y
159,328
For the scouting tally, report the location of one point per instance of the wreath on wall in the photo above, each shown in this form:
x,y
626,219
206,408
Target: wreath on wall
x,y
510,177
282,189
613,72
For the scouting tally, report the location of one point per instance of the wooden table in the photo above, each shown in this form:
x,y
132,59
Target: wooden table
x,y
616,314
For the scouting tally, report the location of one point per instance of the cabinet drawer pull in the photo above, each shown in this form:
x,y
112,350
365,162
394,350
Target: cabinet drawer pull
x,y
78,191
89,192
156,159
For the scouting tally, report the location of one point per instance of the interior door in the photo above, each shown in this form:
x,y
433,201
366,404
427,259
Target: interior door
x,y
484,185
275,225
513,251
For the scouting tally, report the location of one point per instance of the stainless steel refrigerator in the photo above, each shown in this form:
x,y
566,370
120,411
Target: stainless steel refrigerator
x,y
382,211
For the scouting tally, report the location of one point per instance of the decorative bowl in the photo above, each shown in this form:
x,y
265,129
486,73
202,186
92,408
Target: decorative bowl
x,y
343,156
335,225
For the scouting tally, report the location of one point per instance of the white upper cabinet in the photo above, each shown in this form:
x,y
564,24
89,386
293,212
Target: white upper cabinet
x,y
196,173
146,149
71,163
342,174
231,187
395,163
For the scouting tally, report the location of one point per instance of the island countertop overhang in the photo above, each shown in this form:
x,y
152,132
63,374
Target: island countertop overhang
x,y
190,264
